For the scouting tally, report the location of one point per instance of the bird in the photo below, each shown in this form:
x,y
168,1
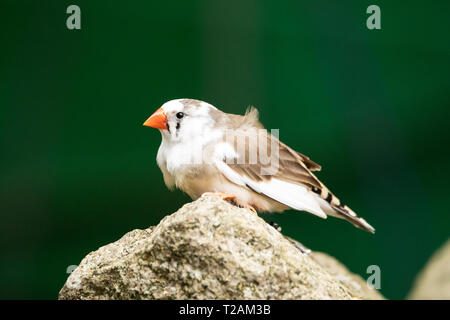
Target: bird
x,y
207,151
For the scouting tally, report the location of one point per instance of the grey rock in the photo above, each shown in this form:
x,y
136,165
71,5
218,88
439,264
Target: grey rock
x,y
355,283
208,249
433,282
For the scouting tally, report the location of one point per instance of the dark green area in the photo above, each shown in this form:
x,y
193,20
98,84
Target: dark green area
x,y
78,170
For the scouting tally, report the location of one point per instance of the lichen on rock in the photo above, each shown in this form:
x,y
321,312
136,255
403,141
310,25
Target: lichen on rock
x,y
208,249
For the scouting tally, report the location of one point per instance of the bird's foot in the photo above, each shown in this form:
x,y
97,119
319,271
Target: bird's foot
x,y
224,196
248,207
231,199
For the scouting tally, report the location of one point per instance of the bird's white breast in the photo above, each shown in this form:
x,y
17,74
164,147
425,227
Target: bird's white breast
x,y
182,155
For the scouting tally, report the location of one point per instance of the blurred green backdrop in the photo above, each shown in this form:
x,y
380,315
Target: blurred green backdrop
x,y
78,169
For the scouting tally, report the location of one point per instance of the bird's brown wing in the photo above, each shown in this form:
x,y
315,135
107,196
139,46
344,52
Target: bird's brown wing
x,y
288,166
311,165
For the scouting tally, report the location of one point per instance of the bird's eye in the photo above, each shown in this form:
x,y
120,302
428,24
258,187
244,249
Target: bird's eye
x,y
180,115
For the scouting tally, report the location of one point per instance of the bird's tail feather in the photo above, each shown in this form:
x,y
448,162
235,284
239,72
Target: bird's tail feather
x,y
347,214
336,209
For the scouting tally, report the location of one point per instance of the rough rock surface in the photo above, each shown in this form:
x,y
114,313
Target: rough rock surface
x,y
434,281
355,283
209,249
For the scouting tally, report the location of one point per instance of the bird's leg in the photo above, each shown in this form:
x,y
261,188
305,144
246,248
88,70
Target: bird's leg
x,y
249,208
223,196
231,199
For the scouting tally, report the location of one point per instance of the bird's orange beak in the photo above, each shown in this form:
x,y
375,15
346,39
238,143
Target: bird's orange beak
x,y
157,120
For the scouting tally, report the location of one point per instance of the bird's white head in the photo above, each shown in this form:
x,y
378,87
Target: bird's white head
x,y
183,119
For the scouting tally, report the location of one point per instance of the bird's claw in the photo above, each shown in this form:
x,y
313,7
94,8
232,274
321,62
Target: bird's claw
x,y
231,199
223,196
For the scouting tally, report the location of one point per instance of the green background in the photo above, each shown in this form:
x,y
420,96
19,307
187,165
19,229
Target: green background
x,y
78,169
